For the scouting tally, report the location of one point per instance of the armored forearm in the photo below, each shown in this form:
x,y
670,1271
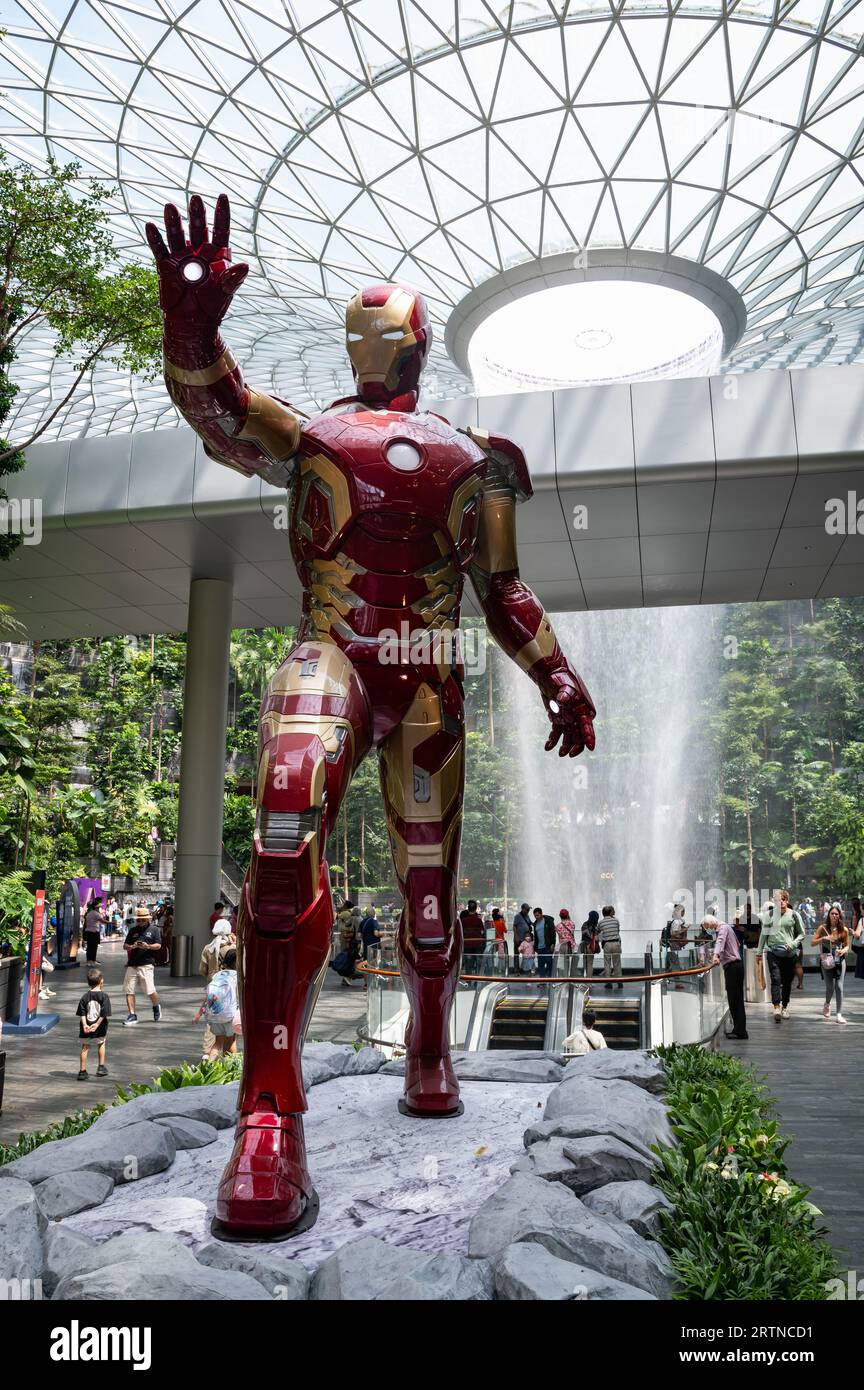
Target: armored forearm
x,y
240,427
520,626
522,629
513,613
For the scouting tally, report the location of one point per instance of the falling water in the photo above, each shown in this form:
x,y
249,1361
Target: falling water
x,y
635,822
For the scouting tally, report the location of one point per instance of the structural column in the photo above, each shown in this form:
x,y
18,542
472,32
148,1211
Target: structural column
x,y
202,759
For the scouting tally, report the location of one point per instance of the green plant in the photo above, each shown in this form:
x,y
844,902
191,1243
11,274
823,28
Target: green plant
x,y
740,1227
61,273
218,1072
16,910
62,1129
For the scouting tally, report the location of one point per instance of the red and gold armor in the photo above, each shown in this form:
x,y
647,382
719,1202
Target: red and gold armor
x,y
391,509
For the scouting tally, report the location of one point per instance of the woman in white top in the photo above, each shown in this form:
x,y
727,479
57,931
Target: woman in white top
x,y
832,939
586,1039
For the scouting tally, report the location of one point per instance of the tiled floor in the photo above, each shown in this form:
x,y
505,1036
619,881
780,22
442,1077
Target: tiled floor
x,y
815,1071
41,1071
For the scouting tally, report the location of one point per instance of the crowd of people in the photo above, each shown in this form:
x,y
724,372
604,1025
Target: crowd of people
x,y
783,931
146,932
535,944
111,919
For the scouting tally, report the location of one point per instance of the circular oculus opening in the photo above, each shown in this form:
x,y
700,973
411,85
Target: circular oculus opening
x,y
593,332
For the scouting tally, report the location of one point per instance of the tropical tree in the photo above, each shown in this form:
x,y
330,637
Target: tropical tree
x,y
59,270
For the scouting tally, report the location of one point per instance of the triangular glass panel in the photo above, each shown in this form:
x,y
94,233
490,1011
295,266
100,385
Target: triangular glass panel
x,y
613,76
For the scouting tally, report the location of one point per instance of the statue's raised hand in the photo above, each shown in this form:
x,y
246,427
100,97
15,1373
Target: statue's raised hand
x,y
571,711
196,278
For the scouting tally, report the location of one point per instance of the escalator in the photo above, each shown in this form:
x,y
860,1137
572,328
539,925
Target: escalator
x,y
505,1017
620,1022
519,1021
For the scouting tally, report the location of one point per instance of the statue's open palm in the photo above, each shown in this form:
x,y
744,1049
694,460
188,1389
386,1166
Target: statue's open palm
x,y
196,278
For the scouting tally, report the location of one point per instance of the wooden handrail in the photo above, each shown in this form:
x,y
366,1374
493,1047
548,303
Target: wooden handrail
x,y
362,967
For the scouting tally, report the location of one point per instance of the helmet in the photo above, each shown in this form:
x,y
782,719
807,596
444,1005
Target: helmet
x,y
388,337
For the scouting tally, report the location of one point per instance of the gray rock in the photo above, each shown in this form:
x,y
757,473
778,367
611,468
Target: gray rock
x,y
282,1278
364,1062
21,1227
152,1282
73,1191
508,1064
316,1072
394,1068
601,1160
528,1273
442,1278
210,1105
499,1066
637,1203
397,1066
546,1159
336,1056
527,1208
153,1266
575,1127
131,1152
607,1065
65,1249
608,1103
133,1247
585,1163
188,1134
370,1269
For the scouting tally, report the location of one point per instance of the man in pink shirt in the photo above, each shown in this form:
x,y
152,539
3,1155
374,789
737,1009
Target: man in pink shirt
x,y
727,952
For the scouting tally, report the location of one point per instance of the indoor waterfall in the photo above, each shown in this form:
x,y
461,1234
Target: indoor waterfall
x,y
633,823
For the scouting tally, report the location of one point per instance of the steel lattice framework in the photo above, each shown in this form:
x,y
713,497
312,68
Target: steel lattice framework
x,y
442,142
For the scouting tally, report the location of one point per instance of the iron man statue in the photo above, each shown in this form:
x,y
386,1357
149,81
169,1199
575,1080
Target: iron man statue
x,y
390,509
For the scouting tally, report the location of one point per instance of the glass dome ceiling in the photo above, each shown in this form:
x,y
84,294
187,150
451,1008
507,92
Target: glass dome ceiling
x,y
442,142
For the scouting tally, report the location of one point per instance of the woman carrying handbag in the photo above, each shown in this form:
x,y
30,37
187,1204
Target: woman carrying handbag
x,y
832,938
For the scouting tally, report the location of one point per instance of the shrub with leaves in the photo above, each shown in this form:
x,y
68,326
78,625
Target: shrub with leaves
x,y
217,1071
60,271
741,1229
208,1073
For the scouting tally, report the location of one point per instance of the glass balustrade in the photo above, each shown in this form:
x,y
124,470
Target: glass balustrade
x,y
496,1006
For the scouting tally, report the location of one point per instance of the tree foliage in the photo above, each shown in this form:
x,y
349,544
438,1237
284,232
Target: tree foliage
x,y
789,744
59,271
788,748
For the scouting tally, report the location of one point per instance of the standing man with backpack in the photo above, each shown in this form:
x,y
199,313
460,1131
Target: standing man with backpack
x,y
544,932
610,940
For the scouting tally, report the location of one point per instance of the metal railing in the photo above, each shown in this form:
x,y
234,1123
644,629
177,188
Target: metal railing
x,y
685,1005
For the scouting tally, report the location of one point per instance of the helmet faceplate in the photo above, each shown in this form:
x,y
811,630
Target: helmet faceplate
x,y
388,336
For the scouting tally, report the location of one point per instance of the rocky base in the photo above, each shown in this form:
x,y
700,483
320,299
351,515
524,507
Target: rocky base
x,y
408,1210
